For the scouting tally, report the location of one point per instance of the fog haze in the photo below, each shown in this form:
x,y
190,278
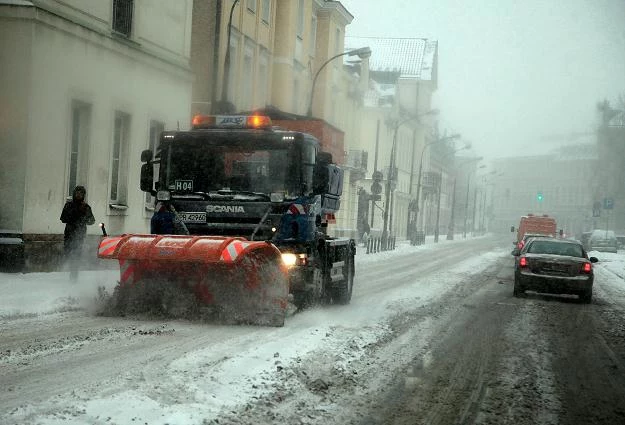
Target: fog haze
x,y
514,77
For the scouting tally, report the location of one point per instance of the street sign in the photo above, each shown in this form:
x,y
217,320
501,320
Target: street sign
x,y
608,203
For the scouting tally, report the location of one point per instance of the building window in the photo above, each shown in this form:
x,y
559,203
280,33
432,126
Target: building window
x,y
122,16
79,146
156,128
251,5
266,11
119,159
300,19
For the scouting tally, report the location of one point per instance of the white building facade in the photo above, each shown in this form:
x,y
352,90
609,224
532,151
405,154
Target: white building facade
x,y
403,74
86,85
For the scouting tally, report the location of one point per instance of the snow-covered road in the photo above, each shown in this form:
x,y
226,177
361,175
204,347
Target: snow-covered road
x,y
61,363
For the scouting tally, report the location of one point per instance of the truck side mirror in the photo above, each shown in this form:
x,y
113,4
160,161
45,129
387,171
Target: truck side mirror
x,y
147,178
321,173
321,179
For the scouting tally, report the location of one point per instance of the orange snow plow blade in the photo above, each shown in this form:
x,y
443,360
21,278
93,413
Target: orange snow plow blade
x,y
245,278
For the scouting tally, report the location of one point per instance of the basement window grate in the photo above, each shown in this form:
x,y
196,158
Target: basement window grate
x,y
122,16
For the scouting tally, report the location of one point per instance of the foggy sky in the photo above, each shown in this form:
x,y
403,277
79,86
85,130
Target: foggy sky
x,y
512,73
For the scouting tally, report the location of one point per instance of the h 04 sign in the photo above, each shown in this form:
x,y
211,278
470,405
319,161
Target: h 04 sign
x,y
184,185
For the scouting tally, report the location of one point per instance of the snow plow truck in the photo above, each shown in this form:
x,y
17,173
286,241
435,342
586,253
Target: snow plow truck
x,y
255,201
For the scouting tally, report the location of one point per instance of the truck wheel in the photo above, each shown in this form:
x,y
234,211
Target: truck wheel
x,y
303,299
274,318
343,292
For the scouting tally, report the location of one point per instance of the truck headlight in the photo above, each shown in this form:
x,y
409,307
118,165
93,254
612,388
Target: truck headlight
x,y
276,196
289,259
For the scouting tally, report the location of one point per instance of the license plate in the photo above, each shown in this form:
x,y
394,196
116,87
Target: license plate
x,y
193,217
559,268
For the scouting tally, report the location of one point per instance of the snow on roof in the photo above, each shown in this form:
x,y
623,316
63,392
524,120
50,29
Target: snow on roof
x,y
379,94
412,57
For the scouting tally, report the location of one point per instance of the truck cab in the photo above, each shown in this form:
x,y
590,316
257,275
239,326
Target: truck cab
x,y
240,176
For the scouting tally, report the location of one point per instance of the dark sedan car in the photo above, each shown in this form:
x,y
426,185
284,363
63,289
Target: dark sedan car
x,y
557,266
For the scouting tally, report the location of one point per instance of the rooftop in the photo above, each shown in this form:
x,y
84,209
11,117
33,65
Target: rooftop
x,y
412,57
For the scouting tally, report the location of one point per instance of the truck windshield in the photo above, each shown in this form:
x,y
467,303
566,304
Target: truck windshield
x,y
197,167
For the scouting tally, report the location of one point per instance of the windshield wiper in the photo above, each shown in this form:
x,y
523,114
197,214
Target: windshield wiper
x,y
191,195
233,193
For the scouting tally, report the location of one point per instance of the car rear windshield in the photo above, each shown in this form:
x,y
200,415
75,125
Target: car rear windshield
x,y
555,248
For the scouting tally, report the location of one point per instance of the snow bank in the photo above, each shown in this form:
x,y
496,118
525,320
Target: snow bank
x,y
35,294
614,262
404,247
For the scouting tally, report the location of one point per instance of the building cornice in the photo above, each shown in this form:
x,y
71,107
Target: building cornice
x,y
336,9
318,4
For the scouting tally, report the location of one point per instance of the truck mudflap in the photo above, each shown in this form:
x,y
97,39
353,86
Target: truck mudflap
x,y
244,279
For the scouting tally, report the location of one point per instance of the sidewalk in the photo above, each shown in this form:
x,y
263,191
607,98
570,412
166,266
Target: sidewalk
x,y
611,261
403,247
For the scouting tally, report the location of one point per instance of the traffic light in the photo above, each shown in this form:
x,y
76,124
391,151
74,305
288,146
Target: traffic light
x,y
539,196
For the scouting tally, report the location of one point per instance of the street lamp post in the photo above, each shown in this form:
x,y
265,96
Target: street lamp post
x,y
483,208
362,53
438,205
387,195
466,206
486,183
474,210
224,86
450,228
442,139
452,222
387,191
440,183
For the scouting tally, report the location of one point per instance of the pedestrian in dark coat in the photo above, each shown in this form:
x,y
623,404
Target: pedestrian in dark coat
x,y
76,215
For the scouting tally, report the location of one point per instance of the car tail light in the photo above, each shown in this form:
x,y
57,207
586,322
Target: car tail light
x,y
587,268
523,262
